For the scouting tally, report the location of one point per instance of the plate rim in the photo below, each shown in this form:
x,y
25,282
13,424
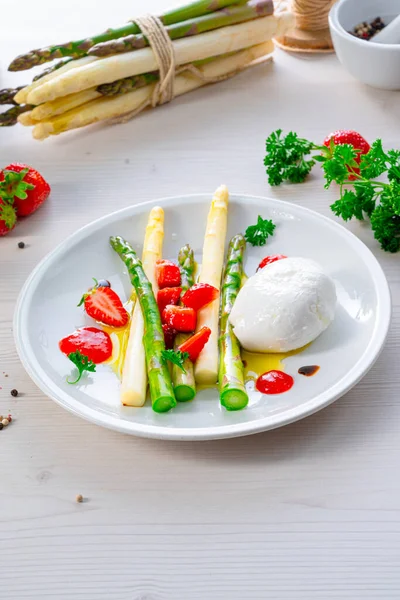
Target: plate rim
x,y
341,387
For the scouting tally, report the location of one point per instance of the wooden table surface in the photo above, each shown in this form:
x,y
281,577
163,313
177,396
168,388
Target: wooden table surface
x,y
307,512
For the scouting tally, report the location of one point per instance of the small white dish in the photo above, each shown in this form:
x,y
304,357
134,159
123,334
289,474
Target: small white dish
x,y
47,311
377,65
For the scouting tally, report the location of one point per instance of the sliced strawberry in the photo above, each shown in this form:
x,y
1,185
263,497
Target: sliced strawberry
x,y
195,344
168,296
167,274
199,295
8,218
25,186
90,341
105,306
270,259
180,318
169,336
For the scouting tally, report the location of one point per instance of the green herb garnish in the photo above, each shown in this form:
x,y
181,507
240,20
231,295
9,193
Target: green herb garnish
x,y
82,363
362,196
258,234
176,357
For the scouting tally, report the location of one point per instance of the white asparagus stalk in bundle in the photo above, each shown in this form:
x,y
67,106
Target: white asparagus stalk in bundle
x,y
26,119
61,105
22,95
206,366
187,50
134,374
114,107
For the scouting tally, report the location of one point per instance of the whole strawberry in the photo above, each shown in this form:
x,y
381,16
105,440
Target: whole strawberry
x,y
8,217
347,136
23,187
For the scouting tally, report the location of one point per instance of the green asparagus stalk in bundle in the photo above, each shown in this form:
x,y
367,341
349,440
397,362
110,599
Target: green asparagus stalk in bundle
x,y
127,84
232,390
183,381
10,116
208,22
79,48
7,95
161,390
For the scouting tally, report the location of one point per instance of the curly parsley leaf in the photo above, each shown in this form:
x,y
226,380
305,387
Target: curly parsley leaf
x,y
394,169
385,220
356,203
82,363
343,161
258,234
373,164
285,158
176,357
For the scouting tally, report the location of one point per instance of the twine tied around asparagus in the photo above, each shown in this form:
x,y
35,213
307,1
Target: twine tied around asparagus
x,y
163,50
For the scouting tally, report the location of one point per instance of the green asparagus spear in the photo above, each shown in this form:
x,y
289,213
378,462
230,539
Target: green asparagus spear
x,y
7,95
161,390
128,84
81,47
183,382
10,116
231,381
208,22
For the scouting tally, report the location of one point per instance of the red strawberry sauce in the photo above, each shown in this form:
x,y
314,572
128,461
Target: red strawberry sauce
x,y
274,382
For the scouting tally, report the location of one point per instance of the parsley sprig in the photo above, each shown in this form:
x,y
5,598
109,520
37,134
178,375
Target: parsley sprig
x,y
258,234
176,357
82,363
362,196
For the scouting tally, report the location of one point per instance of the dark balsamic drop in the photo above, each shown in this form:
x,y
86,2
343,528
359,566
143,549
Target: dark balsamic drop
x,y
308,370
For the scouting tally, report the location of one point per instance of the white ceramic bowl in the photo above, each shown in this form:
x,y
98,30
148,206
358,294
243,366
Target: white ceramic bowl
x,y
47,311
377,65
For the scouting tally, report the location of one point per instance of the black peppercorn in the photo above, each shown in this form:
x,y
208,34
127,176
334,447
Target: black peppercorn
x,y
14,393
21,244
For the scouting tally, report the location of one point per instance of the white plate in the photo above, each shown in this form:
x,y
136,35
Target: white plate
x,y
47,311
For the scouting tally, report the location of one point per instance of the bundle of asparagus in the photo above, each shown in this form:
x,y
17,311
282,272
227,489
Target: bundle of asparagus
x,y
115,73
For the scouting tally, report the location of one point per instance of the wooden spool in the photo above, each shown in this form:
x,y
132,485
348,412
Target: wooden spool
x,y
311,32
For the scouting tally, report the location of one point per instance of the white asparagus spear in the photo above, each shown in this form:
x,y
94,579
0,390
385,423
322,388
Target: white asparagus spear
x,y
187,50
22,95
134,374
63,104
108,108
26,119
206,366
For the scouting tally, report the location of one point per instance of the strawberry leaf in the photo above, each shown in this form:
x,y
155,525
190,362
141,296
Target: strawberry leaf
x,y
8,215
14,185
88,293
